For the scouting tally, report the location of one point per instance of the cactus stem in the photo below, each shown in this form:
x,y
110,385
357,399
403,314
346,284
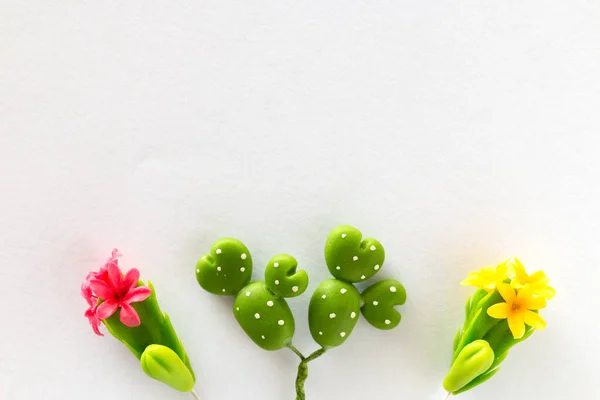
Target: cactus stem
x,y
195,394
296,351
303,373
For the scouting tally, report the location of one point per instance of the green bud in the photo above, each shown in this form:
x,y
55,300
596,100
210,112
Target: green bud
x,y
163,364
473,360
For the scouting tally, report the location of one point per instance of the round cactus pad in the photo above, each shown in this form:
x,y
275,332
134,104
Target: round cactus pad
x,y
265,318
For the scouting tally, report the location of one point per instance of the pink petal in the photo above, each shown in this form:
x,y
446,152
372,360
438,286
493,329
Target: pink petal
x,y
86,292
106,309
94,321
129,317
131,279
138,294
101,289
95,326
115,277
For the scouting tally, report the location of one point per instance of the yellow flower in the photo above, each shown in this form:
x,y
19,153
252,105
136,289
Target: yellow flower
x,y
538,281
487,277
517,309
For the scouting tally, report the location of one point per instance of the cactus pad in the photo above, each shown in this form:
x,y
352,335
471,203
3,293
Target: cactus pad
x,y
379,301
226,269
282,278
265,318
333,312
351,259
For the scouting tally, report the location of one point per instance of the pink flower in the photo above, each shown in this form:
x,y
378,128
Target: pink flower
x,y
118,291
90,313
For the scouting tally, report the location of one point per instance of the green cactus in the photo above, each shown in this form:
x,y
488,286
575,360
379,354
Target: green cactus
x,y
333,312
335,305
350,259
379,301
259,307
266,318
227,269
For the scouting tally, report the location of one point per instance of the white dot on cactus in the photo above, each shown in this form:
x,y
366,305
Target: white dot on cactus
x,y
376,268
248,294
353,315
332,315
387,322
224,290
219,251
197,271
276,265
242,269
363,277
355,258
324,296
277,281
270,303
338,267
257,316
342,334
343,235
393,289
375,303
373,248
281,322
343,290
237,308
295,289
321,333
244,256
263,337
219,268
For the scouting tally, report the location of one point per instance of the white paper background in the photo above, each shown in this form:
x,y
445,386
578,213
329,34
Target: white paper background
x,y
457,133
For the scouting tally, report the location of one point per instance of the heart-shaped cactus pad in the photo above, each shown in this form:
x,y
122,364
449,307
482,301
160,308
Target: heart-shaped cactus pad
x,y
351,259
226,269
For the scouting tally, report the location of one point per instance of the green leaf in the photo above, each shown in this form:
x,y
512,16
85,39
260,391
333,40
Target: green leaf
x,y
481,323
155,328
163,364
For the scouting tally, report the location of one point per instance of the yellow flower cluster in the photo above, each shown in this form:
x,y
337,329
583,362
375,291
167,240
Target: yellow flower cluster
x,y
523,294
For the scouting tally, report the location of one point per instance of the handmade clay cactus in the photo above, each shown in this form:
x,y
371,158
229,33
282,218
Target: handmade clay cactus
x,y
259,307
334,307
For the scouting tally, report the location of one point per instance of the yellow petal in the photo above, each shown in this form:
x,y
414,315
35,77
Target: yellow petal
x,y
534,319
522,276
539,277
547,292
507,292
516,325
535,303
472,279
528,301
499,311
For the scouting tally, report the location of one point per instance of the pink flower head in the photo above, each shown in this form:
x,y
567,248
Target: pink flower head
x,y
118,291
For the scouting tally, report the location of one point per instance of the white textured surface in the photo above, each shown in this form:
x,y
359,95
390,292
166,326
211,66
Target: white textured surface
x,y
457,133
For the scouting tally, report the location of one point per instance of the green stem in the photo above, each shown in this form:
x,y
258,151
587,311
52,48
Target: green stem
x,y
303,373
296,351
